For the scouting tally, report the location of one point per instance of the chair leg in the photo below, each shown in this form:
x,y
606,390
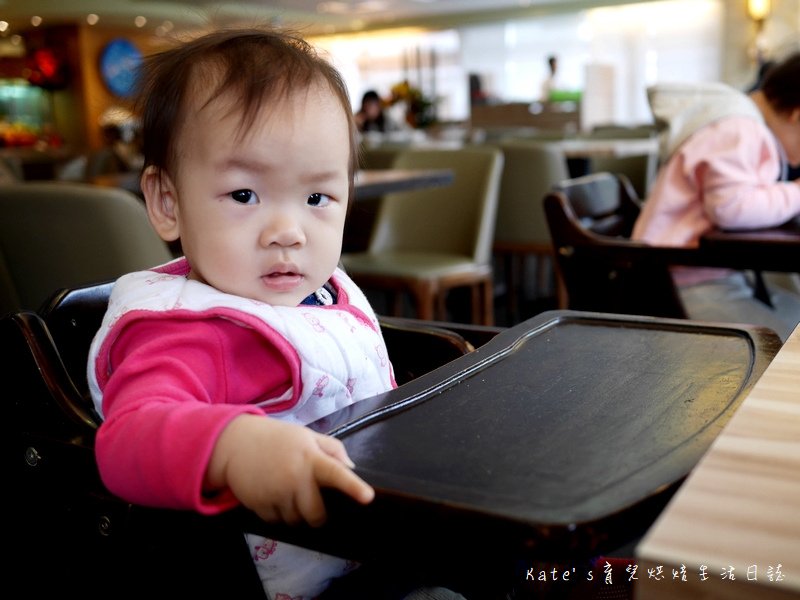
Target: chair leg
x,y
511,286
476,302
543,272
397,303
424,294
561,292
488,302
441,305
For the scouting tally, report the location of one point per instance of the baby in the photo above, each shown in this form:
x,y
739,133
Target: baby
x,y
250,153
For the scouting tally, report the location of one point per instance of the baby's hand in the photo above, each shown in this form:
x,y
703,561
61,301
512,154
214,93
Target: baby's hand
x,y
277,469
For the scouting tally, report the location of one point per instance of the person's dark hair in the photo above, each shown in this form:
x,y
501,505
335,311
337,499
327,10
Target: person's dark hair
x,y
377,123
370,96
256,65
781,84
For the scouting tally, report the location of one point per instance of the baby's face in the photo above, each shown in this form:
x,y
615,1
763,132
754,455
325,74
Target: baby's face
x,y
261,215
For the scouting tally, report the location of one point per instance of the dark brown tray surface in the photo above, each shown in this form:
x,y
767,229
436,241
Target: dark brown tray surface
x,y
551,435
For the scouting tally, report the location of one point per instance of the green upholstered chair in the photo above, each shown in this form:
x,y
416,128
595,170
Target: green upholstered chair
x,y
530,170
427,242
58,234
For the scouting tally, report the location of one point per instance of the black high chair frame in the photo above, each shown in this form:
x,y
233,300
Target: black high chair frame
x,y
559,438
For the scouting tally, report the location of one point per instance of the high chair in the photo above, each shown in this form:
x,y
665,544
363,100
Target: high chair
x,y
561,438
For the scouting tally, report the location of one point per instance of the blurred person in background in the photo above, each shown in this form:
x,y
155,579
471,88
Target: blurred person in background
x,y
725,157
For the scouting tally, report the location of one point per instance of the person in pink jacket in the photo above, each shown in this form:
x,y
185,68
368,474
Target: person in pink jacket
x,y
207,369
724,156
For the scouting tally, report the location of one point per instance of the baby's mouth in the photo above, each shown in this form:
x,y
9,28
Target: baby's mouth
x,y
282,280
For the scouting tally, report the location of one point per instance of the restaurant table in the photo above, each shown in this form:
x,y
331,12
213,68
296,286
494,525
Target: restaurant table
x,y
736,519
374,183
561,437
774,249
607,148
370,184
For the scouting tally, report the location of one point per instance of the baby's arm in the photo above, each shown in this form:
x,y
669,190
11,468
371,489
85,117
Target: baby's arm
x,y
738,174
277,469
171,398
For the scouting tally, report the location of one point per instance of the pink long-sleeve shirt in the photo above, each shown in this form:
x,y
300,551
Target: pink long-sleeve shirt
x,y
177,385
723,176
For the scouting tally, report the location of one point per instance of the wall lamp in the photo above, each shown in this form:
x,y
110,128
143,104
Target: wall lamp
x,y
758,10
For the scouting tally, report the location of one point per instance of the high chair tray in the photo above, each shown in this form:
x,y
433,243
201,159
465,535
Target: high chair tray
x,y
563,435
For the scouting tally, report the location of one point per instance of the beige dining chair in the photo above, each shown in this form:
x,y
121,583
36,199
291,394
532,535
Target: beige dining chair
x,y
530,169
64,234
427,242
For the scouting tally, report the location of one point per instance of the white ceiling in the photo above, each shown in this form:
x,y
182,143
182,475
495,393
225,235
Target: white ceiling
x,y
314,16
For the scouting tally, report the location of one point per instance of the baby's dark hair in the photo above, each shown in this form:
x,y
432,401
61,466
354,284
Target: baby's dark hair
x,y
781,84
256,65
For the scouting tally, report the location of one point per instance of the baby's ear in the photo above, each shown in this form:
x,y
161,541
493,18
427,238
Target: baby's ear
x,y
160,199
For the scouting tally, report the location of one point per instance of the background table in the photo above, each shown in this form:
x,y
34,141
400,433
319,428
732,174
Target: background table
x,y
612,147
775,249
371,186
374,183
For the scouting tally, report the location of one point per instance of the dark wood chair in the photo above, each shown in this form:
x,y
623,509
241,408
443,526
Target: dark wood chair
x,y
600,267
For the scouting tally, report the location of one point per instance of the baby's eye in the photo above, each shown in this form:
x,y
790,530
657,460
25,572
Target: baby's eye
x,y
318,199
244,196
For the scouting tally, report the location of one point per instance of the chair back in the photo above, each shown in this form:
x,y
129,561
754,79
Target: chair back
x,y
378,157
458,219
62,234
602,269
640,170
530,170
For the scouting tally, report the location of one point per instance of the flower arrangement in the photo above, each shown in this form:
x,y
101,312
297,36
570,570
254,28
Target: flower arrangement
x,y
420,109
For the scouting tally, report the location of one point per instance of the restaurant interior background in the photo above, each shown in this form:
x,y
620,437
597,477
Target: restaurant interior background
x,y
56,91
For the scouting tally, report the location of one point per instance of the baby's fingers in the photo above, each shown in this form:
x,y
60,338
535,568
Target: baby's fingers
x,y
334,474
311,506
335,448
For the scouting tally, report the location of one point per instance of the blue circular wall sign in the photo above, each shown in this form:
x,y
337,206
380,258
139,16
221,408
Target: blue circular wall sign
x,y
119,61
